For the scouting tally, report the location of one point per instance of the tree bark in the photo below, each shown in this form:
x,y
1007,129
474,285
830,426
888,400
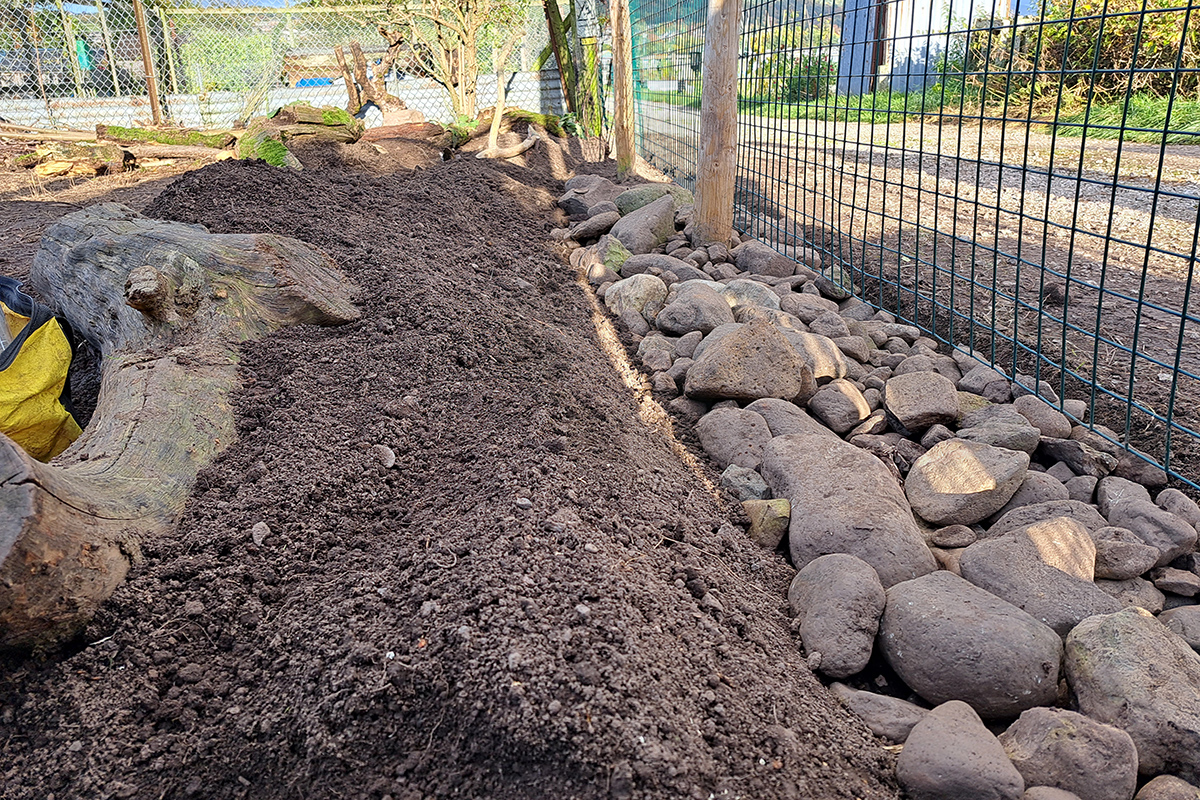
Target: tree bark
x,y
167,305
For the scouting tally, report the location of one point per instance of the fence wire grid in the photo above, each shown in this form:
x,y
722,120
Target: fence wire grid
x,y
77,64
1020,179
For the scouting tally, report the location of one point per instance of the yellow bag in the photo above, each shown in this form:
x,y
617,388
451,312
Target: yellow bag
x,y
34,397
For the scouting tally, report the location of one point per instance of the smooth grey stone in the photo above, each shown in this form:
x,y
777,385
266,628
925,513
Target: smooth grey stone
x,y
1176,581
1133,592
1185,621
1119,559
733,436
698,309
869,517
648,227
948,639
744,483
1158,528
920,400
784,417
1063,472
838,599
1021,517
753,362
889,717
1127,669
960,482
594,227
807,307
1066,750
1041,415
1180,505
1168,787
1111,490
1011,437
634,293
1012,568
1038,487
1081,487
1080,457
840,405
950,755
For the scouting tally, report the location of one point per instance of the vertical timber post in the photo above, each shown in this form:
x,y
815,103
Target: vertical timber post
x,y
139,13
718,123
622,87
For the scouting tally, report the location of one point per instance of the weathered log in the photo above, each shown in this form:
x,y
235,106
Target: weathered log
x,y
167,305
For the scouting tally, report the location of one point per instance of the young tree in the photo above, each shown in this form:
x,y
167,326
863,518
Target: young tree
x,y
446,37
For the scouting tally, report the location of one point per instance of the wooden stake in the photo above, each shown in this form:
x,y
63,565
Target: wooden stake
x,y
718,123
623,87
139,13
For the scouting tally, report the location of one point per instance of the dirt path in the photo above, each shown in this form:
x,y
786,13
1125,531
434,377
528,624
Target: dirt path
x,y
540,599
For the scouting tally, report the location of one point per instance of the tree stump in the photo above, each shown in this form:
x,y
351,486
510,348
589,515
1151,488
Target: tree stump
x,y
167,305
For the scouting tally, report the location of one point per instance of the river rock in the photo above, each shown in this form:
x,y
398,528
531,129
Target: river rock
x,y
646,228
948,639
785,417
744,484
1038,487
1060,748
637,197
840,405
1127,669
1081,487
1112,490
1082,458
633,294
1185,621
758,258
889,717
743,292
1158,528
920,399
844,501
960,482
1041,415
647,262
1168,787
950,755
733,436
1011,437
1176,581
1121,555
821,353
838,599
1180,505
594,227
693,309
1024,516
829,325
752,362
807,307
1048,793
768,521
1133,593
1011,568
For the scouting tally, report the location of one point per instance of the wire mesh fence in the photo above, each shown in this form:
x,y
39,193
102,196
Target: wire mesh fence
x,y
67,64
1020,179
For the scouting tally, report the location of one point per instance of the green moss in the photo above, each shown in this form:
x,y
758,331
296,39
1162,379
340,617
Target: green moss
x,y
331,115
28,160
195,138
551,123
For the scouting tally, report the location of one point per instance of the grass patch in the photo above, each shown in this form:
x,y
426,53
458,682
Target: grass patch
x,y
1145,121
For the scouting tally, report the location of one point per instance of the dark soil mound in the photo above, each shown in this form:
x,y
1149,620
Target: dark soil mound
x,y
522,607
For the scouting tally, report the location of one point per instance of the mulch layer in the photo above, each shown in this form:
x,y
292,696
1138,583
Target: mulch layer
x,y
540,599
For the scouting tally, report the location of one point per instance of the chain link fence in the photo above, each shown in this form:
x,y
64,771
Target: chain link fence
x,y
66,64
1019,178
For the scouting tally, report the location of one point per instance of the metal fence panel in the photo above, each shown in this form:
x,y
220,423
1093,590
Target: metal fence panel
x,y
1017,178
80,64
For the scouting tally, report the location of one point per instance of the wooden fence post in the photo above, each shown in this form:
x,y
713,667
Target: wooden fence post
x,y
139,15
623,87
718,123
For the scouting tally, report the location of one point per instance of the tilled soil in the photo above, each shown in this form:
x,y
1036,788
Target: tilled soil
x,y
540,599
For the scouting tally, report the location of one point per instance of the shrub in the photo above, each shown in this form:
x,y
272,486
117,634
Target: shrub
x,y
1092,43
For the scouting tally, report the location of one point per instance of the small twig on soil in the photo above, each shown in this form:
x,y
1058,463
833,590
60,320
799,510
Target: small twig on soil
x,y
451,565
